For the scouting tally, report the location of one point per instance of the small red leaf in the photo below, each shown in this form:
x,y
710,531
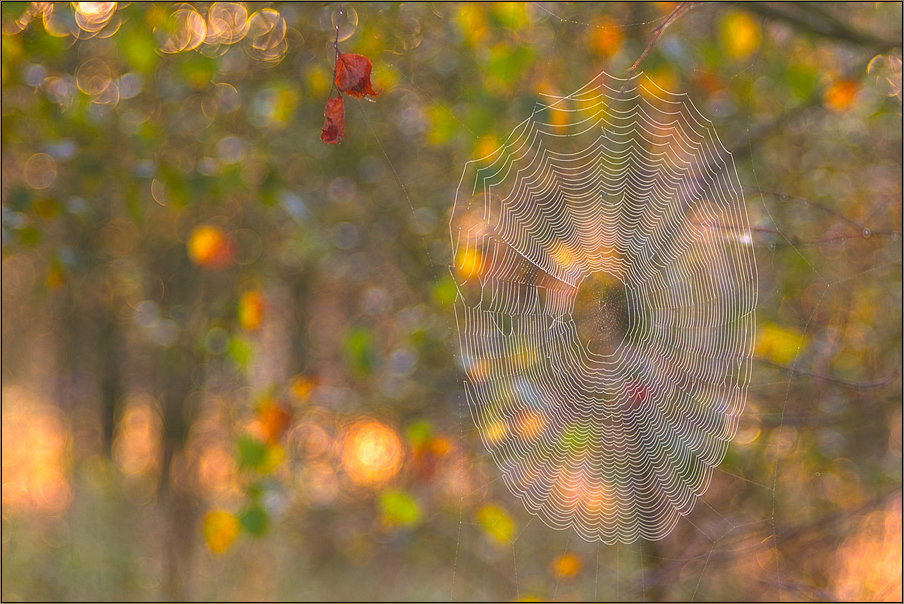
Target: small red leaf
x,y
353,75
334,125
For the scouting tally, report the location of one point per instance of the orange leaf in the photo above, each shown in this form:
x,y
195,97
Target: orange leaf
x,y
334,125
353,75
274,420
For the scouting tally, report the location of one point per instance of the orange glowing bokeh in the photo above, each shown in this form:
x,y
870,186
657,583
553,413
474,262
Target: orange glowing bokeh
x,y
840,96
184,30
227,23
869,561
372,453
35,455
251,310
209,247
93,16
138,446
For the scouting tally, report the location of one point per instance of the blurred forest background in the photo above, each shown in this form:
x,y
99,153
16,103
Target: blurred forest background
x,y
229,365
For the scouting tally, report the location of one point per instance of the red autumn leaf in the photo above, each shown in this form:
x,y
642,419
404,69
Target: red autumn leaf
x,y
353,75
334,125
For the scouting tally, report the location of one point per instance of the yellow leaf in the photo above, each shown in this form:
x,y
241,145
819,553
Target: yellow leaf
x,y
779,344
497,523
275,455
740,35
472,21
220,530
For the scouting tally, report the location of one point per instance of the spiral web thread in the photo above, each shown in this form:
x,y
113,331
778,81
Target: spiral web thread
x,y
605,308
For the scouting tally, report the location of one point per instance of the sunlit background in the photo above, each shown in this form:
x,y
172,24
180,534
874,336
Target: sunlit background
x,y
229,365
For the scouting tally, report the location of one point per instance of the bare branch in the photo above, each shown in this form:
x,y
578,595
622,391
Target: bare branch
x,y
829,378
682,8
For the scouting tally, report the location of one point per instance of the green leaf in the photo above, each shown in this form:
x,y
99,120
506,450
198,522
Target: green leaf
x,y
398,508
252,452
360,351
802,80
420,432
255,520
241,352
508,63
140,52
444,291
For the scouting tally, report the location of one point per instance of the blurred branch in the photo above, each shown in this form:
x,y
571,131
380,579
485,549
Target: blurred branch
x,y
829,378
682,8
812,19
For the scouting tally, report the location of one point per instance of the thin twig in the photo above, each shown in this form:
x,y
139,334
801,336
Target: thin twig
x,y
682,8
336,60
829,378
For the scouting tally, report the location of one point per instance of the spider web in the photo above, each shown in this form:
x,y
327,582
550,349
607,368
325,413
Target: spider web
x,y
539,300
606,307
530,266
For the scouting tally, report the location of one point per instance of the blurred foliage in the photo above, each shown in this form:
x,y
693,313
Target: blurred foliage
x,y
228,360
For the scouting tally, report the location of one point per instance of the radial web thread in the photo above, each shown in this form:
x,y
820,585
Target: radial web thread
x,y
606,307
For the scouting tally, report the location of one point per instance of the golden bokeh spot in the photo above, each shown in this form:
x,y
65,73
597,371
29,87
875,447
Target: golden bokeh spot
x,y
468,262
662,79
251,310
495,432
93,16
740,35
266,37
302,386
563,255
497,523
220,530
487,148
840,95
209,247
227,23
566,566
440,446
560,116
184,30
472,21
606,37
372,453
530,425
59,20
